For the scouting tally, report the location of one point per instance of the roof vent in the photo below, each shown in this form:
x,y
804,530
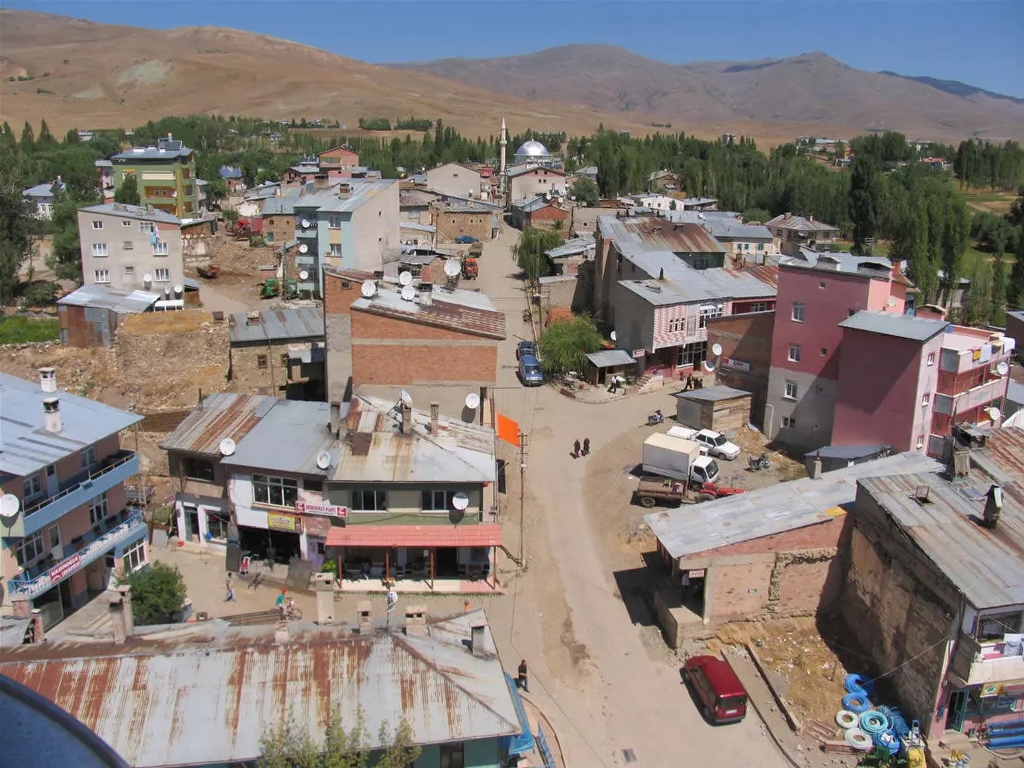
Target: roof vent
x,y
993,506
48,379
252,318
52,421
921,493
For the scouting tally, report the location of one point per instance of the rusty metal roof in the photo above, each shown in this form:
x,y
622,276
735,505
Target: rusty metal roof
x,y
276,325
222,415
207,694
985,565
455,309
660,235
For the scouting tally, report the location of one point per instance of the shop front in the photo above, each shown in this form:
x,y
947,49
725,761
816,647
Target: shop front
x,y
202,520
318,517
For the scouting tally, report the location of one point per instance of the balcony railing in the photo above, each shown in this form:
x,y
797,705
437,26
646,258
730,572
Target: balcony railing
x,y
40,576
978,663
68,487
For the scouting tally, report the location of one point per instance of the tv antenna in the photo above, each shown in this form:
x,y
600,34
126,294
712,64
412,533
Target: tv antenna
x,y
716,352
452,268
460,501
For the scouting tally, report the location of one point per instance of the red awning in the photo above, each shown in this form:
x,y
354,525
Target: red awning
x,y
487,535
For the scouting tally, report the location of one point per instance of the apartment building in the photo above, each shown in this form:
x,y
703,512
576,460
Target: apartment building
x,y
797,231
68,526
455,179
338,162
528,181
165,175
129,246
816,293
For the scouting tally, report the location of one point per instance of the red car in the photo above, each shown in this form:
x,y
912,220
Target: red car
x,y
722,697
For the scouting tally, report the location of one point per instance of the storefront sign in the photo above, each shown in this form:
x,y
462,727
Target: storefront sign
x,y
65,568
278,522
991,689
739,365
696,574
320,508
638,353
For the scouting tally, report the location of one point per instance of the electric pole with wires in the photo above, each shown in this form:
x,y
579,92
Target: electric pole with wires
x,y
524,440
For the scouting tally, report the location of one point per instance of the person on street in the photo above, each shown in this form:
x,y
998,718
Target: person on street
x,y
280,603
230,596
576,449
523,680
586,446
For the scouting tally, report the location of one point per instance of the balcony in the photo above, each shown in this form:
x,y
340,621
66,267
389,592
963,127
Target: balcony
x,y
979,663
972,398
309,231
37,578
75,492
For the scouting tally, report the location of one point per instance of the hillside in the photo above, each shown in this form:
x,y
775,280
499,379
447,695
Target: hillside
x,y
813,92
89,75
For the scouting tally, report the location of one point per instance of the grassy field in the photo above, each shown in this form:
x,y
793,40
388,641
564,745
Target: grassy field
x,y
21,330
987,200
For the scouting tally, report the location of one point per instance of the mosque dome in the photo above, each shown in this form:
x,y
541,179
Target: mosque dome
x,y
532,148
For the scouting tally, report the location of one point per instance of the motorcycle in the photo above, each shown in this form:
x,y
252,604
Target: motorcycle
x,y
655,418
757,463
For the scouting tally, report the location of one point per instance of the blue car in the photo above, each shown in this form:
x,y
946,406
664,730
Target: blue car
x,y
526,349
466,239
530,372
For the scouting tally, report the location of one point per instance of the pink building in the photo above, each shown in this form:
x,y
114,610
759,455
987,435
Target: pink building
x,y
816,293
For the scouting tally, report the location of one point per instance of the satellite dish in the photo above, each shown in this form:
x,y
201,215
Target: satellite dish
x,y
405,278
891,301
408,292
709,366
1002,368
452,268
406,398
460,501
227,446
147,279
303,248
369,289
10,506
305,223
178,289
472,401
613,336
716,350
167,291
993,413
323,460
303,275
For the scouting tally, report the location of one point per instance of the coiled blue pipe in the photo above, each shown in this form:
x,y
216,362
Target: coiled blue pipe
x,y
854,683
873,722
856,702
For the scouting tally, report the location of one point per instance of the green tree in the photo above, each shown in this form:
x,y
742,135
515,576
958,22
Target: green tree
x,y
1015,291
529,252
17,226
158,593
128,192
998,289
955,234
46,139
217,191
585,191
565,344
864,193
760,215
65,258
267,174
977,309
28,138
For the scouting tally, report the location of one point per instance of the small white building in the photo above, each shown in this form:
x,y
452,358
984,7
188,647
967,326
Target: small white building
x,y
42,195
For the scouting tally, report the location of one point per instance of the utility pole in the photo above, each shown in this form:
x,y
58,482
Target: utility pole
x,y
524,439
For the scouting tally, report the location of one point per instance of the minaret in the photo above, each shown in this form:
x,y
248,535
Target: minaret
x,y
504,141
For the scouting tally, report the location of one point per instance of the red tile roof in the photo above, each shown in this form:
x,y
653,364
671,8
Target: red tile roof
x,y
442,314
484,535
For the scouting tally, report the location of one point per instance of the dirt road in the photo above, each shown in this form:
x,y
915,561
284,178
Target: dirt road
x,y
611,687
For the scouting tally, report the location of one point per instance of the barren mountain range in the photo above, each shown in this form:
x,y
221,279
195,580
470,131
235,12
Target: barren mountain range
x,y
89,75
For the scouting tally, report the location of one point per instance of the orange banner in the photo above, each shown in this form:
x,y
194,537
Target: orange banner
x,y
508,430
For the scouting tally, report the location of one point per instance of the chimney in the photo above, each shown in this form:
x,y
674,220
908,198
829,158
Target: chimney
x,y
344,190
661,273
993,506
416,620
335,425
426,296
122,617
404,423
787,215
48,379
435,412
364,621
476,640
320,181
281,633
51,415
815,473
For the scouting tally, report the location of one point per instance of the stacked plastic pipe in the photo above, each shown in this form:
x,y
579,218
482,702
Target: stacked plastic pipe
x,y
866,725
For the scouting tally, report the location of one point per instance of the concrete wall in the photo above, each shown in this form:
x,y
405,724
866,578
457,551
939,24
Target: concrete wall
x,y
535,182
374,230
548,218
746,342
1015,328
632,318
339,293
813,409
454,179
451,224
276,377
130,255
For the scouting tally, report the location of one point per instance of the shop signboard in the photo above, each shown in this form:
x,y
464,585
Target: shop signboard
x,y
277,521
320,508
65,568
739,365
697,573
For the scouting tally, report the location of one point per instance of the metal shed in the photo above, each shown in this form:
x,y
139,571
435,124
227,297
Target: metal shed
x,y
601,366
720,408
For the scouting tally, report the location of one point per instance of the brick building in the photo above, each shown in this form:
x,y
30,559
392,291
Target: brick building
x,y
279,219
278,352
746,342
338,162
540,213
456,217
341,288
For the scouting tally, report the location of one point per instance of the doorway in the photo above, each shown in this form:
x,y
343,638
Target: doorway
x,y
957,710
446,563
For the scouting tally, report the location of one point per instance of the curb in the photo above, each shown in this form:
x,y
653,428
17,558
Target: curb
x,y
780,700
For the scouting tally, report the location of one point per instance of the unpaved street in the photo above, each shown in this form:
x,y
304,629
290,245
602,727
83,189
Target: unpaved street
x,y
607,684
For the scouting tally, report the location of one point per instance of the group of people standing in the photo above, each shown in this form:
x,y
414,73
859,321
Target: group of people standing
x,y
578,450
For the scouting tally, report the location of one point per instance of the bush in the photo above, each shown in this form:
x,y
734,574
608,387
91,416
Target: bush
x,y
40,294
23,330
158,594
564,346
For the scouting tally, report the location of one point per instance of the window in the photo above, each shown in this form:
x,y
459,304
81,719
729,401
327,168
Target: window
x,y
708,312
369,501
99,250
788,422
798,312
32,486
759,306
146,226
31,548
261,361
101,276
126,225
692,354
135,556
437,501
129,271
794,353
129,245
703,262
931,358
824,351
162,275
97,224
88,456
275,491
336,249
284,359
334,222
316,486
217,526
851,312
54,533
791,390
98,508
920,442
676,324
760,246
993,626
197,469
821,284
926,399
160,248
452,756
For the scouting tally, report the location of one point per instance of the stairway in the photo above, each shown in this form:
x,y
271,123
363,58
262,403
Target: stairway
x,y
648,383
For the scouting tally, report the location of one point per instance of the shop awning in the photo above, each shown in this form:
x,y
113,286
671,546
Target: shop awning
x,y
485,535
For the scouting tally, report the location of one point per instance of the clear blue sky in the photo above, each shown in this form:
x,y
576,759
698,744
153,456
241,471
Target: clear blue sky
x,y
979,42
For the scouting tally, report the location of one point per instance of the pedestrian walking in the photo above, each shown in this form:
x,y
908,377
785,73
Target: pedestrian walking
x,y
230,596
523,680
586,446
576,449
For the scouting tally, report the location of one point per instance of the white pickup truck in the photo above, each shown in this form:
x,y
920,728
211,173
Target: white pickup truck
x,y
710,442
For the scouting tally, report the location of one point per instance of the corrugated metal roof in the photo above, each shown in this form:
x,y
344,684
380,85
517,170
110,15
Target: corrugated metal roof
x,y
727,228
25,447
329,201
135,212
152,153
648,233
482,535
712,394
412,198
208,694
121,301
799,224
225,414
573,247
895,324
1015,392
287,439
46,189
849,452
986,565
417,227
528,167
375,451
277,325
775,509
459,310
608,358
283,205
700,285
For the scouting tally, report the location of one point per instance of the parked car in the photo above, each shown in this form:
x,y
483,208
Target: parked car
x,y
530,372
526,349
717,444
466,239
722,697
